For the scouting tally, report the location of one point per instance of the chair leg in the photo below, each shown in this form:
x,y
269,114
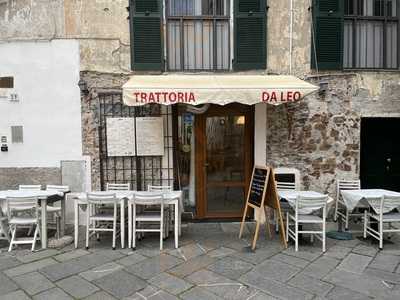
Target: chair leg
x,y
129,226
287,227
312,238
87,226
114,227
365,225
134,227
58,226
380,233
13,230
296,241
324,236
34,237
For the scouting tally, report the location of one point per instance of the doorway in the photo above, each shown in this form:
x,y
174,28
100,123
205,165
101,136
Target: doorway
x,y
223,161
380,153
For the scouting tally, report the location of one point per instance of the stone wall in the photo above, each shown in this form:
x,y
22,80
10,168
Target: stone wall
x,y
320,135
10,178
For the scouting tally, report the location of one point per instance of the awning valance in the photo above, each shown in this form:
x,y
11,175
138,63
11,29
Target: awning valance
x,y
215,89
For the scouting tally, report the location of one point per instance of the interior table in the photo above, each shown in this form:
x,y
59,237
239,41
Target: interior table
x,y
42,196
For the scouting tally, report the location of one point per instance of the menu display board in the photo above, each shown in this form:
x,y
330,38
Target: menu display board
x,y
150,136
257,186
262,193
120,136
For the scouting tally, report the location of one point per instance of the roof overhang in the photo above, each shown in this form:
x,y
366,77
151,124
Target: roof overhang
x,y
214,89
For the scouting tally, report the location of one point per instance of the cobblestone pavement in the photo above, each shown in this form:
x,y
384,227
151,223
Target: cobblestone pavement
x,y
212,263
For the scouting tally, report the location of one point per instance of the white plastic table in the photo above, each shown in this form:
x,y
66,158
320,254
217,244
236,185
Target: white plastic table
x,y
171,198
291,196
42,196
352,198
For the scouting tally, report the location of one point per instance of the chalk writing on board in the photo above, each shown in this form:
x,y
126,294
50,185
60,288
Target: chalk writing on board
x,y
257,186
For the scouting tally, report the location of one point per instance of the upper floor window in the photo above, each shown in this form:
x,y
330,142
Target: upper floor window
x,y
198,35
356,34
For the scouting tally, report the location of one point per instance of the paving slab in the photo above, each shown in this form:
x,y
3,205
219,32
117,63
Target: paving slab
x,y
53,294
101,271
198,293
6,285
221,286
192,265
40,254
390,277
310,284
274,288
188,252
71,255
153,266
100,296
291,260
338,252
321,267
363,249
30,267
33,283
16,295
305,252
340,293
220,252
355,263
131,259
385,262
8,261
276,270
152,293
170,283
121,284
230,267
77,287
258,256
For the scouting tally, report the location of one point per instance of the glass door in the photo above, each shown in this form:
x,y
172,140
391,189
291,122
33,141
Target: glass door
x,y
224,160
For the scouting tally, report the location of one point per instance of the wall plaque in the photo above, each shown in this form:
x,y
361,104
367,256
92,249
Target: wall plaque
x,y
150,136
120,136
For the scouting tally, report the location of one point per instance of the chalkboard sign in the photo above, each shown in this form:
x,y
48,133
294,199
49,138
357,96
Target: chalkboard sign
x,y
257,186
262,193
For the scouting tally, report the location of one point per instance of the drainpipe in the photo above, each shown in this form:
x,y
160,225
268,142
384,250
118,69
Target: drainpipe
x,y
291,37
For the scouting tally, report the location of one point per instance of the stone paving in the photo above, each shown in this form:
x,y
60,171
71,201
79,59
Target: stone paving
x,y
212,263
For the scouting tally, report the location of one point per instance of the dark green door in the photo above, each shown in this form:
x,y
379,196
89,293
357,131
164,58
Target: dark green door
x,y
380,153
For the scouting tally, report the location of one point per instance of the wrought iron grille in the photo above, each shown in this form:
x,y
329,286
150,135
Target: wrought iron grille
x,y
139,171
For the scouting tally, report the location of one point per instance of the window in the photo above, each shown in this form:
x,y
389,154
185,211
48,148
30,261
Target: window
x,y
355,34
198,35
370,34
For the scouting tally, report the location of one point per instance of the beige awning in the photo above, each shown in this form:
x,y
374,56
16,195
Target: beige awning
x,y
217,89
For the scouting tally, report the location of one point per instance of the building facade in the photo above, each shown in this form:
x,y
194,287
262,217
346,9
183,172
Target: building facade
x,y
346,130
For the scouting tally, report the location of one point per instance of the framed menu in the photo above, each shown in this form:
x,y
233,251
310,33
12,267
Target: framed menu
x,y
120,136
150,136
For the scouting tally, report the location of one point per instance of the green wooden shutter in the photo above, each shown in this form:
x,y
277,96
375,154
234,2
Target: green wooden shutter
x,y
145,26
327,35
250,26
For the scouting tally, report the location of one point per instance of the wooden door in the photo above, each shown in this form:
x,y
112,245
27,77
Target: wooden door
x,y
224,159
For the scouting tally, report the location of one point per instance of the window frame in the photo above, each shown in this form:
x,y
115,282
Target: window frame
x,y
354,18
214,18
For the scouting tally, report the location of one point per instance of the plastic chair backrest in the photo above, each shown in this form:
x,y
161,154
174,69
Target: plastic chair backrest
x,y
31,187
118,187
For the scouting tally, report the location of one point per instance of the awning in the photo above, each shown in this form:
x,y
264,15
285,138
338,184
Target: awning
x,y
217,89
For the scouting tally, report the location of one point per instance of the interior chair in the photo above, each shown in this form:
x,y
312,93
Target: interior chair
x,y
143,221
340,205
303,214
23,211
286,179
56,211
98,220
384,211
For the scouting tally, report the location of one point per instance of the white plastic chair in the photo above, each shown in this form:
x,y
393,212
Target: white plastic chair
x,y
169,209
30,187
342,185
146,218
23,211
307,203
118,187
285,207
99,221
56,211
382,213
